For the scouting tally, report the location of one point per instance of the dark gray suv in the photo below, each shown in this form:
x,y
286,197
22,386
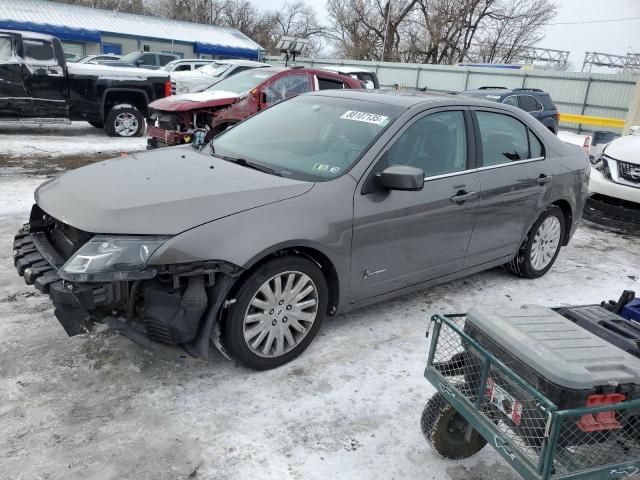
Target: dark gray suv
x,y
323,203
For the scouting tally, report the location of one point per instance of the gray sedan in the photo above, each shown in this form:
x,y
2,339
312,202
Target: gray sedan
x,y
318,205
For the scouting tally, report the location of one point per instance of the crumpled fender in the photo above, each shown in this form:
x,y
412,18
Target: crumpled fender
x,y
194,101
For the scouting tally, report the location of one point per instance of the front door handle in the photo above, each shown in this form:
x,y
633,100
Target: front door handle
x,y
462,197
542,179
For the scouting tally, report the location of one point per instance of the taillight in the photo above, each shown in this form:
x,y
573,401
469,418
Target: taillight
x,y
603,420
167,88
558,117
586,146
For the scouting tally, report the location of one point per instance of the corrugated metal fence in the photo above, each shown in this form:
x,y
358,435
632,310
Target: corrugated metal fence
x,y
597,94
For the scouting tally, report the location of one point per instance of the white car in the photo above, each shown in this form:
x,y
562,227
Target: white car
x,y
369,78
207,76
614,185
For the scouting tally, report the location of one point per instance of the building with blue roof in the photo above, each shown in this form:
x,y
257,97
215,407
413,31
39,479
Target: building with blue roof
x,y
86,31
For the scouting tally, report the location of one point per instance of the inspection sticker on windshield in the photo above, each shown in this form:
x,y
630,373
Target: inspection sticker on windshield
x,y
365,117
321,167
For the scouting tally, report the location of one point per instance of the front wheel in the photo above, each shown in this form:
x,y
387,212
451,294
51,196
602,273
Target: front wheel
x,y
124,120
541,247
278,311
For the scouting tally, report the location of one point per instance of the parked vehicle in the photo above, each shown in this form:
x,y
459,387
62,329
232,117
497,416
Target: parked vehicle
x,y
323,203
187,64
150,60
536,102
369,78
207,76
614,187
96,59
197,117
39,86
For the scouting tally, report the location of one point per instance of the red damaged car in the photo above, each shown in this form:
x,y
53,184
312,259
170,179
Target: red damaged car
x,y
197,117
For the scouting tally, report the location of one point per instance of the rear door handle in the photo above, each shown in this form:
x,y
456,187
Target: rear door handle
x,y
462,197
542,179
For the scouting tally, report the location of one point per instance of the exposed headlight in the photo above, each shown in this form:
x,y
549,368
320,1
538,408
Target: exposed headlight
x,y
105,258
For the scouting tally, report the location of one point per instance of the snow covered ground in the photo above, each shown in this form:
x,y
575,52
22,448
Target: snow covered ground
x,y
98,406
78,138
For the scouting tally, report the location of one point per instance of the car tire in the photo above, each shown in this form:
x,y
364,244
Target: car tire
x,y
96,124
278,325
541,246
124,120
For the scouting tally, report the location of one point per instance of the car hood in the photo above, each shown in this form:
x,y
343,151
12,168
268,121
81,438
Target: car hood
x,y
190,101
625,148
163,192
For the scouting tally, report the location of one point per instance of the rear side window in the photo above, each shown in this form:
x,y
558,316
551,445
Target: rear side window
x,y
505,139
6,49
182,68
529,103
512,100
329,84
38,51
164,59
148,59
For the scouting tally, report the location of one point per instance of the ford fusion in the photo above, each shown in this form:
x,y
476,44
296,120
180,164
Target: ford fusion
x,y
323,203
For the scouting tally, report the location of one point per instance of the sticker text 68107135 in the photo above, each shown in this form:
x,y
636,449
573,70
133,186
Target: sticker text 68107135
x,y
374,118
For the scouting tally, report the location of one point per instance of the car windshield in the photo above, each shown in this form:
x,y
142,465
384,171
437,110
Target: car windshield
x,y
243,81
309,137
130,57
215,69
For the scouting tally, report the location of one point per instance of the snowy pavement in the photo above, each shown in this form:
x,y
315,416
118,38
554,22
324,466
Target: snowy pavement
x,y
49,141
98,406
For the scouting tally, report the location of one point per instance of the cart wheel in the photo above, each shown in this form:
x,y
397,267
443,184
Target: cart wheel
x,y
445,429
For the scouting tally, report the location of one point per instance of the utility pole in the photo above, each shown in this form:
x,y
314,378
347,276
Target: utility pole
x,y
386,30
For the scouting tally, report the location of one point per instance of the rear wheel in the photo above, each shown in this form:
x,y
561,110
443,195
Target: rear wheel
x,y
541,247
278,311
446,429
124,120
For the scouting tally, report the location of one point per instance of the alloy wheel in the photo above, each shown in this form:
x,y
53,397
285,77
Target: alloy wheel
x,y
126,124
545,243
280,314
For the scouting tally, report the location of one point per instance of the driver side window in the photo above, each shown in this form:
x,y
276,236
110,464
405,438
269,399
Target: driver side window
x,y
436,143
286,87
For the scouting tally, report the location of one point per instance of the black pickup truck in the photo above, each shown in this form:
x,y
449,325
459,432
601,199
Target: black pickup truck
x,y
37,85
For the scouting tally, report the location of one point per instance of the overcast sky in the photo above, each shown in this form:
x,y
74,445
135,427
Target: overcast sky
x,y
617,37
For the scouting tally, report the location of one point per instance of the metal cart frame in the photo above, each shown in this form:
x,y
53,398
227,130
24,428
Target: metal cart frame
x,y
555,453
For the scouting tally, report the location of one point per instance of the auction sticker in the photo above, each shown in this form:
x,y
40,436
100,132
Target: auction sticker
x,y
365,117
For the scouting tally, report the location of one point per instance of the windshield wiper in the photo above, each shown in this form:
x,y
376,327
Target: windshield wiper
x,y
248,164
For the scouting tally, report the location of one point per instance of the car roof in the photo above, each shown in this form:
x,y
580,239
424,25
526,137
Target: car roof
x,y
243,63
505,91
344,69
407,98
30,35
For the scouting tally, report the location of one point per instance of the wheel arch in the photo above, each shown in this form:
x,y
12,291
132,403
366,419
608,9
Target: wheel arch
x,y
114,96
303,249
567,211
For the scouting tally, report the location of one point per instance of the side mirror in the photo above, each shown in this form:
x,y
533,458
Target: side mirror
x,y
140,61
401,177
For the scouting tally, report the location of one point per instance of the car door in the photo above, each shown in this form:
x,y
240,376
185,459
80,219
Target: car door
x,y
285,86
515,179
403,238
44,79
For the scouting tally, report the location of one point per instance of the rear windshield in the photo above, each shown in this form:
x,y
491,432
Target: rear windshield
x,y
243,81
308,137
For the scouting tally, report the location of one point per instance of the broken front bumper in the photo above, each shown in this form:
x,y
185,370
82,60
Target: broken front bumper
x,y
159,136
38,263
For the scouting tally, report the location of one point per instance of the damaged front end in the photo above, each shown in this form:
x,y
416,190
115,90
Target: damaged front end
x,y
106,279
